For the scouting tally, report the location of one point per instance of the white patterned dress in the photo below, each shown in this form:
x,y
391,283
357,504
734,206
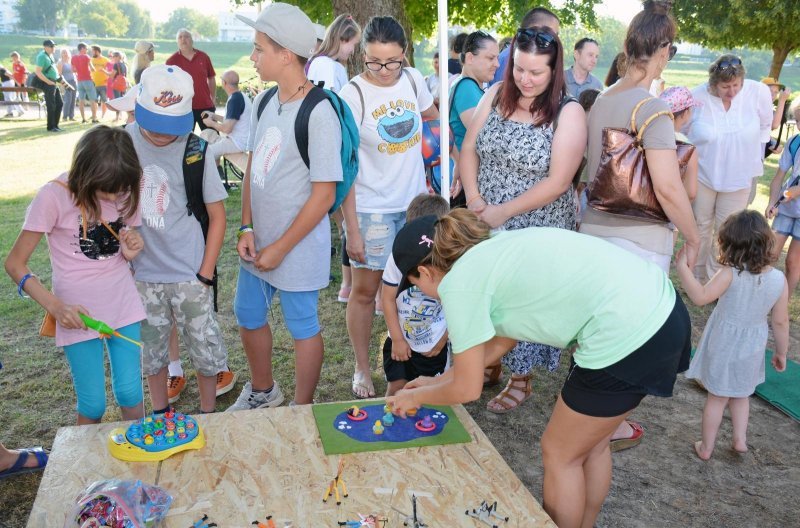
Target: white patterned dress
x,y
513,158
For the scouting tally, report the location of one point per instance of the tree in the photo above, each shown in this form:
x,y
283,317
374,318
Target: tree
x,y
140,24
42,15
757,23
101,17
609,34
194,21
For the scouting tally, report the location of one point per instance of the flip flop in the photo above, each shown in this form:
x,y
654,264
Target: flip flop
x,y
359,382
19,468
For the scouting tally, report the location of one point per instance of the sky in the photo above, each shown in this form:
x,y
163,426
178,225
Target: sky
x,y
160,9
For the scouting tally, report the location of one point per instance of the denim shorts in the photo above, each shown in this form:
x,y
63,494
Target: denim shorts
x,y
378,231
786,225
254,297
102,94
87,91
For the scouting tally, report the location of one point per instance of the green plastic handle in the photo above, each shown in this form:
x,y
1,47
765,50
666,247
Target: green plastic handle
x,y
94,324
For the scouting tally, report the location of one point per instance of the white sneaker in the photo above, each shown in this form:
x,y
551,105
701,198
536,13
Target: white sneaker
x,y
249,400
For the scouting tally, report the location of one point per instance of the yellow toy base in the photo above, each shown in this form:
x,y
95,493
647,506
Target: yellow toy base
x,y
120,448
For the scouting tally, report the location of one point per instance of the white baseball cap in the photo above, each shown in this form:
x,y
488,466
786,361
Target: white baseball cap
x,y
164,100
126,103
287,25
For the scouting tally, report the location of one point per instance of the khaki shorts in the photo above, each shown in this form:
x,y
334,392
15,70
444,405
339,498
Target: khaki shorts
x,y
191,306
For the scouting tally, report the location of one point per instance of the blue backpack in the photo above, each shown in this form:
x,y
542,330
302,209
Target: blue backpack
x,y
350,136
794,145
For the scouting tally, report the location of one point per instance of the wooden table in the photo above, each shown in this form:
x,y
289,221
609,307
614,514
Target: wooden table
x,y
270,462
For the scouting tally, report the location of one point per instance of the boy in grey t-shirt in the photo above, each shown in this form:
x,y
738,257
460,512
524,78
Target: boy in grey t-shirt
x,y
284,241
175,273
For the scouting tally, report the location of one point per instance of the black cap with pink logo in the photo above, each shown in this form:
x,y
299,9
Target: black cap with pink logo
x,y
413,243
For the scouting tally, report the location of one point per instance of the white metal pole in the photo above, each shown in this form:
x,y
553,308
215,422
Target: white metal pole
x,y
444,100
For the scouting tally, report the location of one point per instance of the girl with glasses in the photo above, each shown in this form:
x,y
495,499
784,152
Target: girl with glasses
x,y
730,131
389,103
522,149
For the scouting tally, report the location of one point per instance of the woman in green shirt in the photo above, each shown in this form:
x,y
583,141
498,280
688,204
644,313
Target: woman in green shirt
x,y
632,331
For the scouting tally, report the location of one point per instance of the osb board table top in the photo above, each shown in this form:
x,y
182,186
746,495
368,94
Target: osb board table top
x,y
270,462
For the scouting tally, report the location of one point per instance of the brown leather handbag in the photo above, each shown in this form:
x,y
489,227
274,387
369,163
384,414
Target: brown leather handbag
x,y
622,184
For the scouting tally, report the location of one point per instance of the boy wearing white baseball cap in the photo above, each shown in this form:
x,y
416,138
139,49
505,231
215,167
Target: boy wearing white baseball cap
x,y
284,240
174,276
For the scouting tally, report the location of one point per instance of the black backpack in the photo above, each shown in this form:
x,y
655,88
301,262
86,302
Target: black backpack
x,y
193,171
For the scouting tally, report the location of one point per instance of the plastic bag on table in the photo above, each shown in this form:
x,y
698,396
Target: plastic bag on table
x,y
119,504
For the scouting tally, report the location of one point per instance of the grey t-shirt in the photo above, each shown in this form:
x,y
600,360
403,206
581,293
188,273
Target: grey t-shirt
x,y
280,185
173,240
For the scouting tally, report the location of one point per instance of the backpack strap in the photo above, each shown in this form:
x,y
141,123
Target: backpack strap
x,y
314,97
264,100
794,146
361,98
193,173
411,80
455,89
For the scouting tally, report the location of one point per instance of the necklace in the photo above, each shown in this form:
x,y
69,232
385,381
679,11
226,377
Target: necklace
x,y
300,89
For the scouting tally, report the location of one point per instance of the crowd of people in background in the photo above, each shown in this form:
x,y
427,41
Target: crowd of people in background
x,y
499,281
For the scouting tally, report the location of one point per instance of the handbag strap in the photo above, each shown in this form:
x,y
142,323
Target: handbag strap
x,y
640,132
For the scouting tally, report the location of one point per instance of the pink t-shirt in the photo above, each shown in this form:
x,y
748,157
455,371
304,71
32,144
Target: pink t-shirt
x,y
91,272
80,63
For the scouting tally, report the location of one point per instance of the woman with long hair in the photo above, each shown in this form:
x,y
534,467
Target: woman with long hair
x,y
329,63
522,149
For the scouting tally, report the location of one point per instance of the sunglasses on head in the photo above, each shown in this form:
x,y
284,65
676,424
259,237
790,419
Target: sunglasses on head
x,y
540,38
728,64
673,49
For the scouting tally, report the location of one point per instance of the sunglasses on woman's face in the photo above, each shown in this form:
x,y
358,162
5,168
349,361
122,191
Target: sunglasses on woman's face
x,y
673,49
729,64
541,39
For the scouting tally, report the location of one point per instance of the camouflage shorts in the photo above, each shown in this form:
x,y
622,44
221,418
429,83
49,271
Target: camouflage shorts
x,y
191,306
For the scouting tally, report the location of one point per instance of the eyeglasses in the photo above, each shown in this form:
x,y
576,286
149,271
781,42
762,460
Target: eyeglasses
x,y
378,66
728,64
541,39
673,49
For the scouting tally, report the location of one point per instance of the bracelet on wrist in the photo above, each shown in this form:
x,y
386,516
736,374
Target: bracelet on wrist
x,y
245,227
474,198
21,285
243,231
205,280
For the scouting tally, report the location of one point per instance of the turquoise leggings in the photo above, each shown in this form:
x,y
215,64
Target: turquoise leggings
x,y
89,377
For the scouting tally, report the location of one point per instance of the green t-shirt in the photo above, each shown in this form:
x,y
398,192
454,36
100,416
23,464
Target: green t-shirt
x,y
468,95
43,60
556,287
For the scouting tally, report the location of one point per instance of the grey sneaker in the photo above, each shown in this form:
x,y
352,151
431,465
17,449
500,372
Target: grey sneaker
x,y
248,399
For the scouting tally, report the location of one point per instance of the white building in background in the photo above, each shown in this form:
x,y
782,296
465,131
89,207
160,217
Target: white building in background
x,y
232,29
8,16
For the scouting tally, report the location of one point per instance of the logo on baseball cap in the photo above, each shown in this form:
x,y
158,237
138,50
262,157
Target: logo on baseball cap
x,y
412,245
164,100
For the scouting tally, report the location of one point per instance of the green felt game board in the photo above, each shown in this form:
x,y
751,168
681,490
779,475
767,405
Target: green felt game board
x,y
335,442
782,389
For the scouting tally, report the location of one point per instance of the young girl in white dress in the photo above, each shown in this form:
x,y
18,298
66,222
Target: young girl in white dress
x,y
729,360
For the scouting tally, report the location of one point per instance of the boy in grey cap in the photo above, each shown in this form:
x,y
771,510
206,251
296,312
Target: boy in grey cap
x,y
284,241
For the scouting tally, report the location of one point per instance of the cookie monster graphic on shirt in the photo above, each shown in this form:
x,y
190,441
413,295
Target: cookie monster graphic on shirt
x,y
398,126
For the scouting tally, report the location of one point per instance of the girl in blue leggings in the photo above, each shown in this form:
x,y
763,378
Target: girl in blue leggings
x,y
88,215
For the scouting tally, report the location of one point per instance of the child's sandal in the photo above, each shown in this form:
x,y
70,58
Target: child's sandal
x,y
506,400
492,375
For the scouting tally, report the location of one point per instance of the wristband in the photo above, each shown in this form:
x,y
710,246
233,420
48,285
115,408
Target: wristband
x,y
242,231
245,227
474,198
204,280
21,285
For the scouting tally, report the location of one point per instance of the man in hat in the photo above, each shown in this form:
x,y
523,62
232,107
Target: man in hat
x,y
175,275
197,64
48,76
284,241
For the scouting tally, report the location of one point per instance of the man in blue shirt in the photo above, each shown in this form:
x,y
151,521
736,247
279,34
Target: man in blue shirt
x,y
579,76
538,16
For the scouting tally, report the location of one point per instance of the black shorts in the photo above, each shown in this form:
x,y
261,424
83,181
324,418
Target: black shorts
x,y
415,367
650,369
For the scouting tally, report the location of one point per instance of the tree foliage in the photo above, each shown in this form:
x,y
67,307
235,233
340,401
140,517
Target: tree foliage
x,y
758,23
42,15
140,23
194,21
102,18
609,34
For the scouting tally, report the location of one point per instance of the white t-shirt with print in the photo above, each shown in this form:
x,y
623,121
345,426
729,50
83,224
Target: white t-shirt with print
x,y
421,317
326,69
391,171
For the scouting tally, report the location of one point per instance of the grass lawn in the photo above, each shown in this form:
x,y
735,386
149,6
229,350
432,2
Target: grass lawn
x,y
37,395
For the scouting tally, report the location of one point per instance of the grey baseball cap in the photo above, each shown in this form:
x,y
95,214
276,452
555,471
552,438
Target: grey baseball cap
x,y
287,25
